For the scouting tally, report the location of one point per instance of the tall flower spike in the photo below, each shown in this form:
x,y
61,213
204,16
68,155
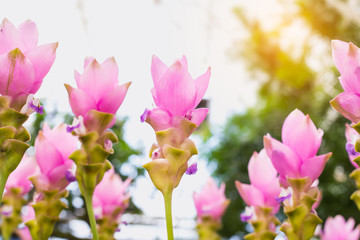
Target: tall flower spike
x,y
176,95
94,103
261,195
299,167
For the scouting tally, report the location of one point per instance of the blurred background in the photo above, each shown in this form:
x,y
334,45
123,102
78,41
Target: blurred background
x,y
268,57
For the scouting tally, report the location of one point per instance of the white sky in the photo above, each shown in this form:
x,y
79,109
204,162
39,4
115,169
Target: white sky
x,y
133,31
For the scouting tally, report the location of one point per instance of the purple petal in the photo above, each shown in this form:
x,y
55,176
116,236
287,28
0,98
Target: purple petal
x,y
281,199
144,115
350,149
70,176
39,109
69,128
245,218
192,169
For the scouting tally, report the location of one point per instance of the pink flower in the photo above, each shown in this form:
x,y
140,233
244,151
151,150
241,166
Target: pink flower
x,y
347,60
264,187
53,148
20,177
98,88
24,232
211,201
338,229
351,137
295,156
111,195
23,64
176,95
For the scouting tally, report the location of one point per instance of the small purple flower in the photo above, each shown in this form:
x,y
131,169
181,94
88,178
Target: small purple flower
x,y
37,107
351,149
283,198
7,210
69,128
248,214
144,115
70,176
192,169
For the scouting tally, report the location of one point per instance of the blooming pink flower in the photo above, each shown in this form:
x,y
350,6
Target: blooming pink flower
x,y
338,229
111,195
351,137
347,60
53,148
211,201
23,64
265,187
19,178
176,95
98,88
295,156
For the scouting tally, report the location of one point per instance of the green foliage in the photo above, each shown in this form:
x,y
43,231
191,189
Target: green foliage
x,y
287,82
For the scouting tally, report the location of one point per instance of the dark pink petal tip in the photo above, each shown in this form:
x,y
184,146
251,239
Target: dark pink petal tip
x,y
144,115
192,169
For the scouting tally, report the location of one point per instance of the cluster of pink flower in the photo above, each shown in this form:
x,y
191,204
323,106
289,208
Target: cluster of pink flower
x,y
282,174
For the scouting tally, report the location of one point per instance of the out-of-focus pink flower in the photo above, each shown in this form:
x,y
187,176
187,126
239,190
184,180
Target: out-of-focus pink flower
x,y
351,137
295,156
338,229
264,186
111,195
176,95
23,64
98,88
19,178
211,201
347,60
24,232
53,148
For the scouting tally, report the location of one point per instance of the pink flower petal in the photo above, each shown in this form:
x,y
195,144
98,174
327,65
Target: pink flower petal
x,y
16,74
199,115
81,102
111,102
347,60
159,119
301,135
158,68
9,37
176,90
201,84
250,195
42,58
348,105
314,166
284,160
261,171
28,33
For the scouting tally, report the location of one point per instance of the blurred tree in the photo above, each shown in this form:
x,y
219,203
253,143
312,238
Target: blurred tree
x,y
76,208
291,76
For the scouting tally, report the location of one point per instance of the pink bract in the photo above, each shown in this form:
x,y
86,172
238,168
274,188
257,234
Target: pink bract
x,y
339,229
176,94
53,148
264,187
98,88
211,201
346,57
111,194
295,156
23,64
19,178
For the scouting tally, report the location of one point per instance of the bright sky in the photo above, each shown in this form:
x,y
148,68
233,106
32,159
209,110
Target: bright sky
x,y
133,31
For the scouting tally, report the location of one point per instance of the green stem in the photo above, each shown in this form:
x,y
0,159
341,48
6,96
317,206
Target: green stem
x,y
169,225
90,211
